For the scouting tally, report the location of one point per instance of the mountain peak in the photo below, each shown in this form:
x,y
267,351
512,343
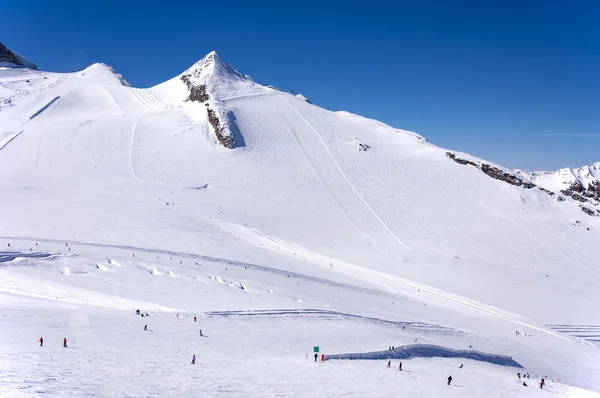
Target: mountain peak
x,y
7,56
213,65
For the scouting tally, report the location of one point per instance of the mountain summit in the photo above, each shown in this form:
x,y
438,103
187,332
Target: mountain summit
x,y
9,57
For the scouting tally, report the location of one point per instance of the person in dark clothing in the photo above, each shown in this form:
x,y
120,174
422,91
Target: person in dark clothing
x,y
519,375
65,342
449,380
525,384
41,340
194,359
194,319
542,383
461,366
389,364
316,356
400,367
145,327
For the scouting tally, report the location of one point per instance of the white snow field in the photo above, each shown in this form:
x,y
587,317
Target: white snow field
x,y
284,226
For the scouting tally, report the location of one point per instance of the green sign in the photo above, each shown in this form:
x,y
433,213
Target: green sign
x,y
315,349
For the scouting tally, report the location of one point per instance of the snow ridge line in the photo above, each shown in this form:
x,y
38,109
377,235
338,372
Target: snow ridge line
x,y
337,183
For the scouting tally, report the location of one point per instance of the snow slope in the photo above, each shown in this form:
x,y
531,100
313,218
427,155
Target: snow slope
x,y
288,238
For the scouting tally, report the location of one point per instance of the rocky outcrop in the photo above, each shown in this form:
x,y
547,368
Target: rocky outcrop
x,y
197,92
576,191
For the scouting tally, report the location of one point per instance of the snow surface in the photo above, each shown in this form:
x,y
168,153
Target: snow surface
x,y
115,198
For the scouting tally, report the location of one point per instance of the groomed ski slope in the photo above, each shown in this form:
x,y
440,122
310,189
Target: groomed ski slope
x,y
399,232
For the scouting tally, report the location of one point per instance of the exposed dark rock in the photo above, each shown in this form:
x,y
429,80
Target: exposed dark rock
x,y
459,160
8,56
576,191
588,211
197,93
498,174
226,140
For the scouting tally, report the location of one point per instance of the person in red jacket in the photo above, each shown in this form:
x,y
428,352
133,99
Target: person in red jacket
x,y
41,340
65,342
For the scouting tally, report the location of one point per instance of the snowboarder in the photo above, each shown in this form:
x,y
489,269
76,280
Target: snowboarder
x,y
316,356
518,375
461,366
525,384
449,380
145,327
542,383
41,340
194,319
194,359
65,342
400,367
389,364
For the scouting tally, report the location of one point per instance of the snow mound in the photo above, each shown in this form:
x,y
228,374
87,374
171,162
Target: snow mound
x,y
154,271
113,262
66,270
102,267
220,280
303,98
171,273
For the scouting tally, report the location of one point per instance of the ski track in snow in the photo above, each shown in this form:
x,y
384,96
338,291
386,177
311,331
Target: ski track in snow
x,y
253,266
310,313
323,163
394,283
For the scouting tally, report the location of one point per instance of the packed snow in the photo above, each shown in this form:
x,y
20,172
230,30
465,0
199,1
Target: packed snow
x,y
115,199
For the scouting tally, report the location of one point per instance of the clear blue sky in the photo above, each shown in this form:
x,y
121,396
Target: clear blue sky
x,y
514,82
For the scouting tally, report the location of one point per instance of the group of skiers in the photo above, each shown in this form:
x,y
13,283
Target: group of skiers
x,y
41,341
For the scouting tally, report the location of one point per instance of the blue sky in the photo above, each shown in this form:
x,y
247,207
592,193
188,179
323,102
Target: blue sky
x,y
514,82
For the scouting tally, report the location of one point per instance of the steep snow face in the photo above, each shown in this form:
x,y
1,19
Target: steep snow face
x,y
10,58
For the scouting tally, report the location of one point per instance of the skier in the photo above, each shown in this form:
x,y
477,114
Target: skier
x,y
400,367
145,327
316,356
201,335
525,384
65,342
137,312
194,359
41,340
449,380
389,364
542,383
461,366
519,375
528,375
194,319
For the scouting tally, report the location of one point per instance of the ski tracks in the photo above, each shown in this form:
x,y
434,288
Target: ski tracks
x,y
323,163
401,285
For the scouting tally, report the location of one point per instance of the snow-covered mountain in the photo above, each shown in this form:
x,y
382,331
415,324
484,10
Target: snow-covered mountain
x,y
212,195
9,58
582,184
